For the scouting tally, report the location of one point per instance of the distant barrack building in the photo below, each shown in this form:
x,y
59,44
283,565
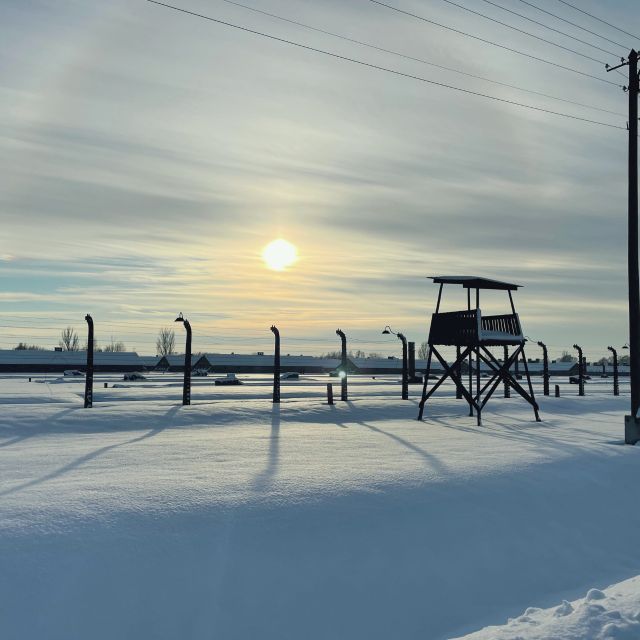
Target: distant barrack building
x,y
263,363
40,361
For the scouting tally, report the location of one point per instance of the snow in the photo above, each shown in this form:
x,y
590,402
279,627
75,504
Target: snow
x,y
236,518
610,615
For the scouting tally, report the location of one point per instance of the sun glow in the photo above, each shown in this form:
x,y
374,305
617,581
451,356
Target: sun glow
x,y
279,254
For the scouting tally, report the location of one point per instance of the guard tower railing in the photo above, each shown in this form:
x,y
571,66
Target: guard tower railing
x,y
470,327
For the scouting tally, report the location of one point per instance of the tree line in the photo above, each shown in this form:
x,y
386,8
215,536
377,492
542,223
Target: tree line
x,y
70,341
166,346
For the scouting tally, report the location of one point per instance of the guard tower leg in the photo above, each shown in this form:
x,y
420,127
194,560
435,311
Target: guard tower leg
x,y
471,381
507,390
459,372
533,398
479,407
424,384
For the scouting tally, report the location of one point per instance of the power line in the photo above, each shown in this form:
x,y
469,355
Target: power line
x,y
546,26
495,44
422,60
386,69
573,24
526,33
586,13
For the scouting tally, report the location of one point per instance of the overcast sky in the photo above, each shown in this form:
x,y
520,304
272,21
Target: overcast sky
x,y
147,157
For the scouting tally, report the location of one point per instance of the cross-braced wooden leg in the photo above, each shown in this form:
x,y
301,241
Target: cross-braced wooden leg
x,y
505,374
479,411
526,370
449,372
424,386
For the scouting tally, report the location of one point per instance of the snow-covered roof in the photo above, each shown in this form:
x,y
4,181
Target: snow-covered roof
x,y
74,358
177,359
536,367
475,282
254,360
386,363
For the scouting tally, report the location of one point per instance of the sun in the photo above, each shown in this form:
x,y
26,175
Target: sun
x,y
279,254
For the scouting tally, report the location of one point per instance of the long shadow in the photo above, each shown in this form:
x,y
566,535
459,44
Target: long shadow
x,y
265,477
79,462
539,434
10,441
35,432
433,460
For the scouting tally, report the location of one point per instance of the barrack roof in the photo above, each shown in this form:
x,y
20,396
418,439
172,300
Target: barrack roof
x,y
475,282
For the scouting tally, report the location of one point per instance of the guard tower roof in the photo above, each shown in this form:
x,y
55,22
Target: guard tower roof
x,y
475,282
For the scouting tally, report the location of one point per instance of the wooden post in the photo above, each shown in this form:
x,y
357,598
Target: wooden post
x,y
405,370
329,393
411,360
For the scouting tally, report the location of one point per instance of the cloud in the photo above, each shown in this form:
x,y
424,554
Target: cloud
x,y
149,156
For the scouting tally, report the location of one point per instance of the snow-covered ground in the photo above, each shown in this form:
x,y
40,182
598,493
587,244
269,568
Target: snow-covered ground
x,y
613,614
237,519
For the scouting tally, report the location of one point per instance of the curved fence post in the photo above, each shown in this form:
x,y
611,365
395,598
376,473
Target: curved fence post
x,y
344,375
276,365
545,368
88,383
186,386
580,370
616,385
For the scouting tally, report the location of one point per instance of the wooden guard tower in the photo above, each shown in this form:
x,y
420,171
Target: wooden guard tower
x,y
473,334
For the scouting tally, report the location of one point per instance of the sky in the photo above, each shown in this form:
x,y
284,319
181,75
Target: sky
x,y
148,156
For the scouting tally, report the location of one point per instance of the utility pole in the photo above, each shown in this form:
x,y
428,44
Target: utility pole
x,y
631,422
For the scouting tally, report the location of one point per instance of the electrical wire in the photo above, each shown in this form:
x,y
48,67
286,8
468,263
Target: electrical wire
x,y
386,69
485,41
586,13
526,33
573,24
421,60
546,26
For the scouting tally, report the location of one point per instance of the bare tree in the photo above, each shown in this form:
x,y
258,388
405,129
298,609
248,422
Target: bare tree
x,y
69,340
166,342
23,346
423,350
567,357
115,347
